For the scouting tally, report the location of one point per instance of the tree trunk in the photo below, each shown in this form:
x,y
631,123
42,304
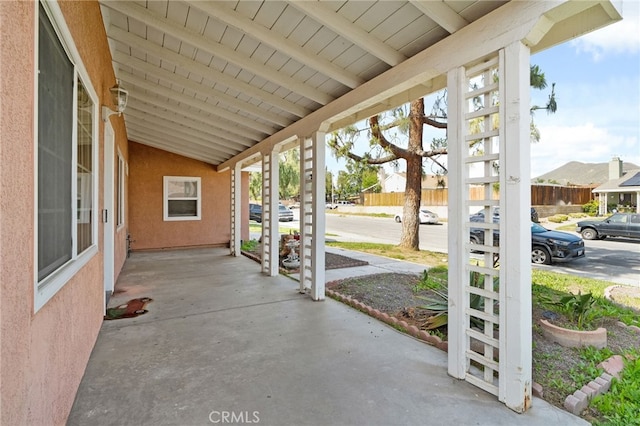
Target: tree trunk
x,y
410,237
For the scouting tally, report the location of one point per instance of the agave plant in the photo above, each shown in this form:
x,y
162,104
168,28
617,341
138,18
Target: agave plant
x,y
440,305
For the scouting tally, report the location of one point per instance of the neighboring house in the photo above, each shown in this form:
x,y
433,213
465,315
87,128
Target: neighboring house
x,y
395,182
621,190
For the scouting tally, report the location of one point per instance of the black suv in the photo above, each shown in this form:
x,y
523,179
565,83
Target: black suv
x,y
626,225
546,246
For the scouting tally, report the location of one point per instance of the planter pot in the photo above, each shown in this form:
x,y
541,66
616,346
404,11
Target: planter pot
x,y
574,338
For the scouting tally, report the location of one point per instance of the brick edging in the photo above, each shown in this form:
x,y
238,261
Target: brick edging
x,y
394,322
579,400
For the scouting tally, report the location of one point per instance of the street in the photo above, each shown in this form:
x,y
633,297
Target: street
x,y
615,260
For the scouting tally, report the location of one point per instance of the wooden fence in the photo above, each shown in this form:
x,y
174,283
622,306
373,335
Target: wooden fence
x,y
541,195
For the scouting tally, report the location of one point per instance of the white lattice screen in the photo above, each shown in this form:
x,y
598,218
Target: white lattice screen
x,y
306,208
235,221
481,163
268,263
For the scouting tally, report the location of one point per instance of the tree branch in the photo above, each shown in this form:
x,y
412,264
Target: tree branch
x,y
432,153
434,123
382,140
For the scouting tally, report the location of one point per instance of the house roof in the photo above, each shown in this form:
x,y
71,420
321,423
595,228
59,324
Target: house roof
x,y
223,81
629,182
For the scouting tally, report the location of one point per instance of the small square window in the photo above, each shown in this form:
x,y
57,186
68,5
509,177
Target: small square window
x,y
182,198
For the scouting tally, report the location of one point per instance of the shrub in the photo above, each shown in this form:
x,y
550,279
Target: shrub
x,y
591,208
558,218
249,245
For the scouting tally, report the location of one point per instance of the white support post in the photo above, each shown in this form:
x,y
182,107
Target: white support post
x,y
515,229
488,110
306,200
274,199
638,202
270,199
457,216
318,217
236,210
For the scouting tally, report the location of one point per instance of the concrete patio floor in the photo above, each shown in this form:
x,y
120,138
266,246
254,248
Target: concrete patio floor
x,y
223,342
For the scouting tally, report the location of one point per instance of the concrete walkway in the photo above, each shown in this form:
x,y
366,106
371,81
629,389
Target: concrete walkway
x,y
222,343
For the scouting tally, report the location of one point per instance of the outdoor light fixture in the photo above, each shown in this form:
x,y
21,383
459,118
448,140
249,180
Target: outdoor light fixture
x,y
119,98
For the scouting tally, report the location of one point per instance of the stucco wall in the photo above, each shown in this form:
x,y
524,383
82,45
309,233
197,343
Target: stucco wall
x,y
44,354
148,229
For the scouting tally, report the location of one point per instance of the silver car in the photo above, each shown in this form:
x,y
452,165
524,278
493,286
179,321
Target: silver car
x,y
426,216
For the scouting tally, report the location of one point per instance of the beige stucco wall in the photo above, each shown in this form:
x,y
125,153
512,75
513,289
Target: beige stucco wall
x,y
148,229
44,354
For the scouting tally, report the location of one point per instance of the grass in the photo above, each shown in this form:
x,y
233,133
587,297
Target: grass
x,y
343,213
620,405
550,285
257,228
428,258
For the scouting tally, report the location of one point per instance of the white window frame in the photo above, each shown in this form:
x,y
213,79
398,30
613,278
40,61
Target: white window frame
x,y
45,289
120,191
166,198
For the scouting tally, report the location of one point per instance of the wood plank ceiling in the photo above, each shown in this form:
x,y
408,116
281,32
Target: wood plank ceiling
x,y
209,79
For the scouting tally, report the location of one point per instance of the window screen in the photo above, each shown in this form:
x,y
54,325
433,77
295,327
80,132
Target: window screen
x,y
55,148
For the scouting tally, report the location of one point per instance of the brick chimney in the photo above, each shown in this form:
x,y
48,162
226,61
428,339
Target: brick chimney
x,y
615,168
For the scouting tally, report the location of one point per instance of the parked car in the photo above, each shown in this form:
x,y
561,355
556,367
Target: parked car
x,y
338,204
546,246
255,212
426,216
284,214
618,225
479,215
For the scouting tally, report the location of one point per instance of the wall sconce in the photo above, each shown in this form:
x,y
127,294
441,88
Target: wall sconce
x,y
119,97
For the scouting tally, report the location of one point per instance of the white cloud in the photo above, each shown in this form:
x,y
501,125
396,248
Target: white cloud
x,y
619,38
586,143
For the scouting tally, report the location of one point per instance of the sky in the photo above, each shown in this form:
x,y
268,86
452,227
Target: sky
x,y
597,80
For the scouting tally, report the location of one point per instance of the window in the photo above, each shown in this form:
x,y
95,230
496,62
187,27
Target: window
x,y
66,157
120,173
182,200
